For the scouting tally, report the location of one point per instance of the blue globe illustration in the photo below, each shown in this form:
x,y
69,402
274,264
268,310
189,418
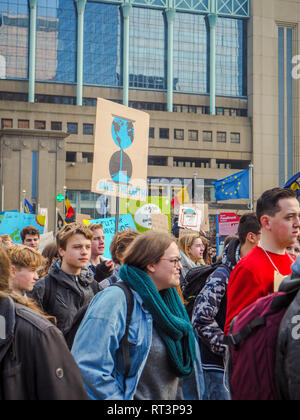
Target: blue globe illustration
x,y
122,131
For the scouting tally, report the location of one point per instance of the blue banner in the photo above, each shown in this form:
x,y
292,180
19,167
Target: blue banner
x,y
109,225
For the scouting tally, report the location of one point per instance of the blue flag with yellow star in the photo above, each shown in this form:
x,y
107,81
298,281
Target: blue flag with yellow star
x,y
233,187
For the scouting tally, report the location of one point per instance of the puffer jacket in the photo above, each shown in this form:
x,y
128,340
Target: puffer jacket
x,y
72,294
210,307
287,368
35,362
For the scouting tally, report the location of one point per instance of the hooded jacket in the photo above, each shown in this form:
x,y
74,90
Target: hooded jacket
x,y
72,294
210,309
35,363
288,344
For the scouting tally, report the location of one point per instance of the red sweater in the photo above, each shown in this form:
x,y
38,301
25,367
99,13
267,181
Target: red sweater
x,y
253,278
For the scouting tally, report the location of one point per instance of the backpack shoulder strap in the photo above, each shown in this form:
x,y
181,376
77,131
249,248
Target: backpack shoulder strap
x,y
50,293
124,342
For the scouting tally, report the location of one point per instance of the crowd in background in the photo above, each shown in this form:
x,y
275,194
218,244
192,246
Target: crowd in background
x,y
79,326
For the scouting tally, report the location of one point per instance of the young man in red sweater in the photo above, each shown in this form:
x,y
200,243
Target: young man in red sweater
x,y
259,273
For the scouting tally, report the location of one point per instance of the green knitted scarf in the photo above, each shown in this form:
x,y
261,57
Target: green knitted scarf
x,y
169,316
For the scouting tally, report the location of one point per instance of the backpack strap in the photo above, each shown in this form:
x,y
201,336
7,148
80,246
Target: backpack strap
x,y
49,294
125,344
236,339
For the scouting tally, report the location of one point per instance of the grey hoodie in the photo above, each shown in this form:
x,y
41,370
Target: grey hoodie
x,y
72,293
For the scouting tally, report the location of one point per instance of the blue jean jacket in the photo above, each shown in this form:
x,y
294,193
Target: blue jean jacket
x,y
97,350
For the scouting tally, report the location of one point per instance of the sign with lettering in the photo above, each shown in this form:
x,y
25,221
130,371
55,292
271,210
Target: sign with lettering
x,y
109,228
13,223
120,151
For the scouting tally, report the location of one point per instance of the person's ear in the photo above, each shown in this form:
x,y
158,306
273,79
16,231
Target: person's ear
x,y
151,268
13,270
61,252
265,222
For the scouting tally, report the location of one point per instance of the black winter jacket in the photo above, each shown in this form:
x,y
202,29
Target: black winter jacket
x,y
35,363
72,293
288,345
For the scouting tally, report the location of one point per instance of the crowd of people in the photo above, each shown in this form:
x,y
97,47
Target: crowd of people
x,y
77,326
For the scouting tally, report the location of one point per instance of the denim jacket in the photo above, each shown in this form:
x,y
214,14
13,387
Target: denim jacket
x,y
97,350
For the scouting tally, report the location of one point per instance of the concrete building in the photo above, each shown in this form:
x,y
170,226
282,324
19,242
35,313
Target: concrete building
x,y
215,76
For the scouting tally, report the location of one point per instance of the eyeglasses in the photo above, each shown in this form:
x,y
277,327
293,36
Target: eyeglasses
x,y
175,261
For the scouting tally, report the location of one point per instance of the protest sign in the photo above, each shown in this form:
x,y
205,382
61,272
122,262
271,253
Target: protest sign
x,y
120,151
126,223
13,223
190,218
228,224
142,211
160,222
45,239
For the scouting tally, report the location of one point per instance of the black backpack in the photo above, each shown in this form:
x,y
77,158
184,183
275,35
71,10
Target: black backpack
x,y
194,282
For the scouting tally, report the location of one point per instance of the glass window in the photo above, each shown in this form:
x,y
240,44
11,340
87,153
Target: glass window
x,y
14,34
40,125
71,156
235,137
190,53
147,49
87,157
56,125
88,129
231,57
221,137
157,161
151,133
7,123
164,133
207,136
178,134
102,45
72,128
193,135
56,41
23,123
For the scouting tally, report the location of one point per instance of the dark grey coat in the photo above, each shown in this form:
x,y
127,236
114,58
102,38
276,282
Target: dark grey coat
x,y
72,294
288,345
35,362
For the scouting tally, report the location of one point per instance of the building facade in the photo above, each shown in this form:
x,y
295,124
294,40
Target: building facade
x,y
216,76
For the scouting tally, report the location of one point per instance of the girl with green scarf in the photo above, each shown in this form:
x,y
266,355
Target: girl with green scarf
x,y
163,337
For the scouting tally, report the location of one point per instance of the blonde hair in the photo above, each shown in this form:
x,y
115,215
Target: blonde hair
x,y
186,241
5,291
67,231
22,256
95,226
147,249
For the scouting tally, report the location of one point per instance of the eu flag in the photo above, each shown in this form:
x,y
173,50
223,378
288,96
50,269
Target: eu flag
x,y
234,187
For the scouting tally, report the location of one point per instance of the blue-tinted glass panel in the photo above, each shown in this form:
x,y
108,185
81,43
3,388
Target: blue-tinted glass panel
x,y
281,106
102,49
14,32
147,49
56,41
190,53
231,57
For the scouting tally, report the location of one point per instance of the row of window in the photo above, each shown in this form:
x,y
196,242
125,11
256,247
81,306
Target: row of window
x,y
182,162
194,135
145,106
72,127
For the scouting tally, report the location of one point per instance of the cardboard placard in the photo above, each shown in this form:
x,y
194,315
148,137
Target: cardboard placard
x,y
120,151
160,222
